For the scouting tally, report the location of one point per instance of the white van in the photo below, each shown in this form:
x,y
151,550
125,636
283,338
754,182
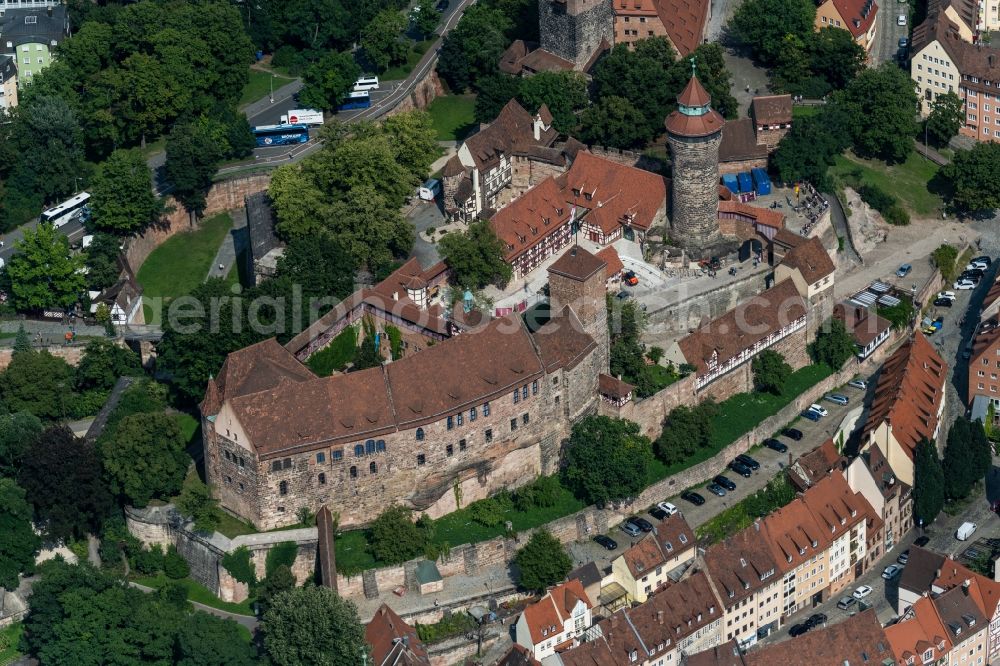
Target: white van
x,y
964,531
366,83
429,190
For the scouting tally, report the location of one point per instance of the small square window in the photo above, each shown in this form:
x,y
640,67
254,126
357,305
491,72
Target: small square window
x,y
524,418
421,459
338,454
276,466
461,445
489,435
450,450
321,457
287,463
513,425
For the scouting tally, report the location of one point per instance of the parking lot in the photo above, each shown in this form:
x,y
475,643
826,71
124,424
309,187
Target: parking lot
x,y
771,464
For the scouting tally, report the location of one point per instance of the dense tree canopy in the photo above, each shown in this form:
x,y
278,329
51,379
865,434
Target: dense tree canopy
x,y
763,24
770,371
958,463
475,256
472,49
542,562
43,273
101,261
313,625
833,344
815,63
613,121
812,145
929,485
18,431
972,177
103,363
326,82
945,119
194,151
144,457
122,199
886,99
606,460
18,542
564,93
382,40
395,537
39,383
687,429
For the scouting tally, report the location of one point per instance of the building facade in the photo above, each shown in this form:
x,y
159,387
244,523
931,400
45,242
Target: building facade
x,y
8,82
29,33
682,22
575,30
556,622
856,16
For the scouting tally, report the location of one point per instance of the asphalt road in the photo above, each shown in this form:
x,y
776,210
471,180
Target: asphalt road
x,y
888,33
72,230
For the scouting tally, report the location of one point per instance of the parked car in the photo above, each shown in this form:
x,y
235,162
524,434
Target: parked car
x,y
816,619
973,272
643,524
442,5
623,294
740,469
921,541
862,592
938,323
716,489
748,461
901,19
606,541
812,416
904,270
943,302
846,602
950,295
792,433
775,445
838,398
818,409
964,531
982,260
977,265
630,528
693,497
904,557
964,284
929,330
724,482
798,629
631,278
903,42
858,384
658,513
891,571
667,507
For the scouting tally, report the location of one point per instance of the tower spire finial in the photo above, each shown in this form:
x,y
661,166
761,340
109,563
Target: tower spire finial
x,y
694,65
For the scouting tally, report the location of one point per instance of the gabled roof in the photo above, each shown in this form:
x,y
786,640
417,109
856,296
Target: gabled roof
x,y
909,393
862,323
727,654
546,616
814,465
742,327
741,565
920,630
613,387
856,641
577,263
613,263
739,142
537,214
921,569
858,15
984,591
771,109
393,641
811,259
613,194
960,614
518,655
511,132
683,20
794,535
562,342
835,507
259,367
764,216
671,537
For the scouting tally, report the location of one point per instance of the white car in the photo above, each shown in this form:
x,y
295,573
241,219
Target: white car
x,y
818,409
964,285
981,265
862,592
901,19
667,508
891,571
950,295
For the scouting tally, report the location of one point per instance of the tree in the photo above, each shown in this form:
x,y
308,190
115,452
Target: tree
x,y
414,141
835,56
319,265
326,82
175,566
945,257
686,430
122,199
606,460
144,457
381,39
103,363
564,93
542,561
945,119
280,580
313,625
770,371
972,177
887,99
763,24
495,92
928,483
426,20
473,48
101,261
64,482
475,256
43,273
39,383
196,501
982,451
394,536
206,640
833,344
18,431
958,464
18,542
193,155
615,123
239,565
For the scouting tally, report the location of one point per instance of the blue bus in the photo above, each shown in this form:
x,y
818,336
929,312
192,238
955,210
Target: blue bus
x,y
280,135
356,100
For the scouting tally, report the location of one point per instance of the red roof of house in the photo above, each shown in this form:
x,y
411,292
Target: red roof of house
x,y
924,630
765,216
613,194
694,95
393,641
529,220
851,11
550,612
609,256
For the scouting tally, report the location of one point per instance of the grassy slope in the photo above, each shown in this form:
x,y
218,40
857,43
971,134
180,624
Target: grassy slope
x,y
259,86
452,116
907,181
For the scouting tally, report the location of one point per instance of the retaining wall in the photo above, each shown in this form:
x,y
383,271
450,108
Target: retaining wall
x,y
72,354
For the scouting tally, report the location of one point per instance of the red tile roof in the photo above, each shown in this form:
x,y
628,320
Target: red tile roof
x,y
811,259
539,213
259,367
984,591
613,387
794,535
813,466
694,95
683,20
609,256
857,640
672,537
550,612
864,324
562,342
854,20
909,393
910,637
393,641
772,109
511,132
618,195
518,655
835,507
765,216
741,565
577,263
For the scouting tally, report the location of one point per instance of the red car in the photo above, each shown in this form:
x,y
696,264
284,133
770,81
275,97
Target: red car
x,y
631,279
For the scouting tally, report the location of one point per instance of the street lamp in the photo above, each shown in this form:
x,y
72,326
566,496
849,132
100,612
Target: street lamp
x,y
271,81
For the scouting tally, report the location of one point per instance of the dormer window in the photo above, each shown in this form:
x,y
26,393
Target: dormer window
x,y
731,594
588,196
743,562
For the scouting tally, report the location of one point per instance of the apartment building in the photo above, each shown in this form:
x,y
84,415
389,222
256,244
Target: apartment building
x,y
646,566
682,22
855,16
556,621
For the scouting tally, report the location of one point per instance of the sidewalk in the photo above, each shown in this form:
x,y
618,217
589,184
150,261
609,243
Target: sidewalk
x,y
226,256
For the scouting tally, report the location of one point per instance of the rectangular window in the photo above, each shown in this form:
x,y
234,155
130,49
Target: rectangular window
x,y
338,454
517,396
421,459
461,418
461,445
524,418
489,435
322,479
287,463
524,391
486,409
321,457
534,387
472,414
450,450
451,422
513,425
242,463
276,465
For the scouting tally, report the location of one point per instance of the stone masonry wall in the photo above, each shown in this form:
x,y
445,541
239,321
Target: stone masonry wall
x,y
736,166
695,190
686,314
573,29
426,90
72,354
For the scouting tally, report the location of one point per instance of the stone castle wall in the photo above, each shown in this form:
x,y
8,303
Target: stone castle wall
x,y
687,313
573,29
737,166
695,190
426,90
72,354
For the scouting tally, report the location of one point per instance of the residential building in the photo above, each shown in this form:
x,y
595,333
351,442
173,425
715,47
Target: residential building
x,y
855,16
909,401
920,636
891,499
810,267
647,566
932,64
857,640
747,142
590,578
123,299
866,326
917,580
811,467
556,622
991,302
984,365
29,33
682,22
393,641
8,82
772,118
801,551
724,347
615,267
842,515
518,655
727,654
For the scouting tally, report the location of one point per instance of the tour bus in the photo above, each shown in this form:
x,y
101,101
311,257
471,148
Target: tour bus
x,y
356,100
76,208
280,135
366,83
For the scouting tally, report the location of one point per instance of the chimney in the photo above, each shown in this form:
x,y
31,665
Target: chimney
x,y
659,617
395,295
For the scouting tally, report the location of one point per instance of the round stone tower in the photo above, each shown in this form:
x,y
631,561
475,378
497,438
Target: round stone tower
x,y
694,132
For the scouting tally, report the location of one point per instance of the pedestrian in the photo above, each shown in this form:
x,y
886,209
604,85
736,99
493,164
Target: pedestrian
x,y
222,267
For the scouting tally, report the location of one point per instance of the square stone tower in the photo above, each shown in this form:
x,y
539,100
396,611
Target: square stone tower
x,y
578,279
574,29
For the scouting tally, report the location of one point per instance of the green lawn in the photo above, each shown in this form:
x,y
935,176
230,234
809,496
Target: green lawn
x,y
198,593
189,426
452,116
9,638
259,86
805,111
337,354
907,181
401,71
183,261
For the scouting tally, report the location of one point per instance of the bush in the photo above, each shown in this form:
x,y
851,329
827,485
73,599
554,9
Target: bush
x,y
395,538
282,554
945,258
239,566
897,216
148,561
174,594
876,197
289,58
492,510
174,565
542,492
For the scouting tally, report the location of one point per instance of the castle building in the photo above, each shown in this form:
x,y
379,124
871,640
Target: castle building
x,y
682,22
575,31
694,132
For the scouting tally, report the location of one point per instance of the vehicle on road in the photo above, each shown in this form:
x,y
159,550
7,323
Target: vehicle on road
x,y
858,384
302,117
943,302
838,398
630,528
818,409
982,260
816,619
693,497
903,270
798,629
643,524
846,602
280,135
964,531
904,557
623,294
921,541
366,83
606,541
740,469
964,284
901,19
667,507
891,571
631,279
929,330
748,461
716,489
862,592
977,265
359,99
792,433
775,445
724,481
950,295
76,207
903,42
811,415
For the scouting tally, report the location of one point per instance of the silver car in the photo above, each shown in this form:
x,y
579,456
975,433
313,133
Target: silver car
x,y
838,398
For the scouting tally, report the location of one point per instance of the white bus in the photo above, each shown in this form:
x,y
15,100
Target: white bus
x,y
67,211
366,83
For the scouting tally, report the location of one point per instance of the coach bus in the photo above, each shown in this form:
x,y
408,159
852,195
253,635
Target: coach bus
x,y
76,208
356,100
280,135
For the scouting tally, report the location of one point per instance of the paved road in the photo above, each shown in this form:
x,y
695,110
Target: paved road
x,y
888,33
247,621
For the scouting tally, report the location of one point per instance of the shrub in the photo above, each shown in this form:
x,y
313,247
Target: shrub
x,y
174,565
876,197
897,216
148,561
395,538
492,510
282,554
174,594
239,566
945,258
542,492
